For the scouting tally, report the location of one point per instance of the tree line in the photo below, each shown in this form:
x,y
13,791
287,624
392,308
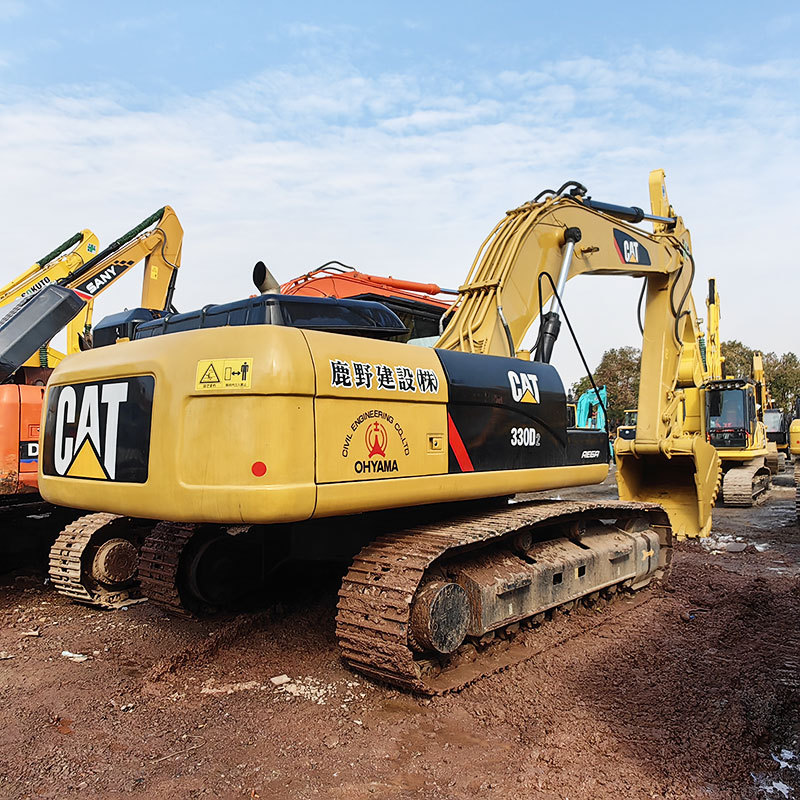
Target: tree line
x,y
619,369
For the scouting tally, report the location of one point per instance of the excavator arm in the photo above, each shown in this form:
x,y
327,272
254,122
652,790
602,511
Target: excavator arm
x,y
157,240
528,259
59,263
69,300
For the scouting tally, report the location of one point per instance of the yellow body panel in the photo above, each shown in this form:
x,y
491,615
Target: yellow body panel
x,y
209,477
794,437
373,432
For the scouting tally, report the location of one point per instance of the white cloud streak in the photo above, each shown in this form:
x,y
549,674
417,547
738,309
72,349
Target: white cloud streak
x,y
405,174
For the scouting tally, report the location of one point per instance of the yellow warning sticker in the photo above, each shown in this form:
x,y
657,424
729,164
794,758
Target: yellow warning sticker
x,y
224,373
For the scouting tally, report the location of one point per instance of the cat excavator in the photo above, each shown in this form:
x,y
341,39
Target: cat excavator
x,y
280,427
79,559
58,291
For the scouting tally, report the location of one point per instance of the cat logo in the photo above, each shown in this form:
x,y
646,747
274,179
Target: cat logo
x,y
629,250
99,431
524,386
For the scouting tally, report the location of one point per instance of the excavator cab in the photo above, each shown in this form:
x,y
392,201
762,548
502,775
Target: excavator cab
x,y
571,415
628,428
731,416
777,423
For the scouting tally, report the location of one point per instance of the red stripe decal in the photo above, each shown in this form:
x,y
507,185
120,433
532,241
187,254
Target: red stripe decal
x,y
619,252
460,452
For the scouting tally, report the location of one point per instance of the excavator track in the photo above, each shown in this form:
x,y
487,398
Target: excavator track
x,y
159,565
773,461
94,561
377,628
797,487
742,486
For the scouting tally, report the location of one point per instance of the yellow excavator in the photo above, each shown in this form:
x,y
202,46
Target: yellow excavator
x,y
794,451
279,427
734,413
55,267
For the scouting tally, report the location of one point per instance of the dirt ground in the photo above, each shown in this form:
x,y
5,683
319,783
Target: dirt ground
x,y
689,690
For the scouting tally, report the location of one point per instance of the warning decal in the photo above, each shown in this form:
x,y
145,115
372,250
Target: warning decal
x,y
223,373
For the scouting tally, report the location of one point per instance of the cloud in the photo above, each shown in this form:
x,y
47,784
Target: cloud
x,y
405,173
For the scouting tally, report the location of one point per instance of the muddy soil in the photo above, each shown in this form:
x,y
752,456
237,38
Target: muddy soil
x,y
689,691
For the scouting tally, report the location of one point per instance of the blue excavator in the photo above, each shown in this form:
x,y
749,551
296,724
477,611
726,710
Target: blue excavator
x,y
590,410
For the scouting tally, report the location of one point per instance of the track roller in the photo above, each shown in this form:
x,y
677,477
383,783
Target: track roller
x,y
95,560
195,570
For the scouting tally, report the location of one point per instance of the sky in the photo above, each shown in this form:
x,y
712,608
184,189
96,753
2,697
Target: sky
x,y
393,137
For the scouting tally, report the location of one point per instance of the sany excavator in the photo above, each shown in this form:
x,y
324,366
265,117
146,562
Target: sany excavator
x,y
51,298
735,427
283,426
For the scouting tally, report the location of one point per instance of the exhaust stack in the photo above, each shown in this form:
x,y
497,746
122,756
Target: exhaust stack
x,y
264,280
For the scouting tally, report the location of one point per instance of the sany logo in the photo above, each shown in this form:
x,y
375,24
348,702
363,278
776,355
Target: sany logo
x,y
524,387
94,286
88,448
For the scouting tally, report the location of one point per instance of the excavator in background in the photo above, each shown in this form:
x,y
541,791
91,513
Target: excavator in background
x,y
57,265
794,452
416,304
777,423
590,409
282,427
733,417
21,402
628,428
57,294
734,408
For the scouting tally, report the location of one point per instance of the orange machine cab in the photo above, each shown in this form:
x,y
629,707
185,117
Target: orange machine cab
x,y
20,413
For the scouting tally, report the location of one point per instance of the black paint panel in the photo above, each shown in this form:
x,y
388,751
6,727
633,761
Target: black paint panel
x,y
489,419
583,444
131,439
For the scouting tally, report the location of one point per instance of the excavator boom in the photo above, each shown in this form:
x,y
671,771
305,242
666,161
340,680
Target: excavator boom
x,y
69,299
531,254
57,264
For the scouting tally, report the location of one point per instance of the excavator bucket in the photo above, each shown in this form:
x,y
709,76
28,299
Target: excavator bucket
x,y
684,483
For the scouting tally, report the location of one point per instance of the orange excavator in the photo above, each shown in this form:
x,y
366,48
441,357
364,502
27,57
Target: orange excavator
x,y
417,304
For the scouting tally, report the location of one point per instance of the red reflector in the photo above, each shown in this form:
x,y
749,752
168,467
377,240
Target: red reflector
x,y
259,469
